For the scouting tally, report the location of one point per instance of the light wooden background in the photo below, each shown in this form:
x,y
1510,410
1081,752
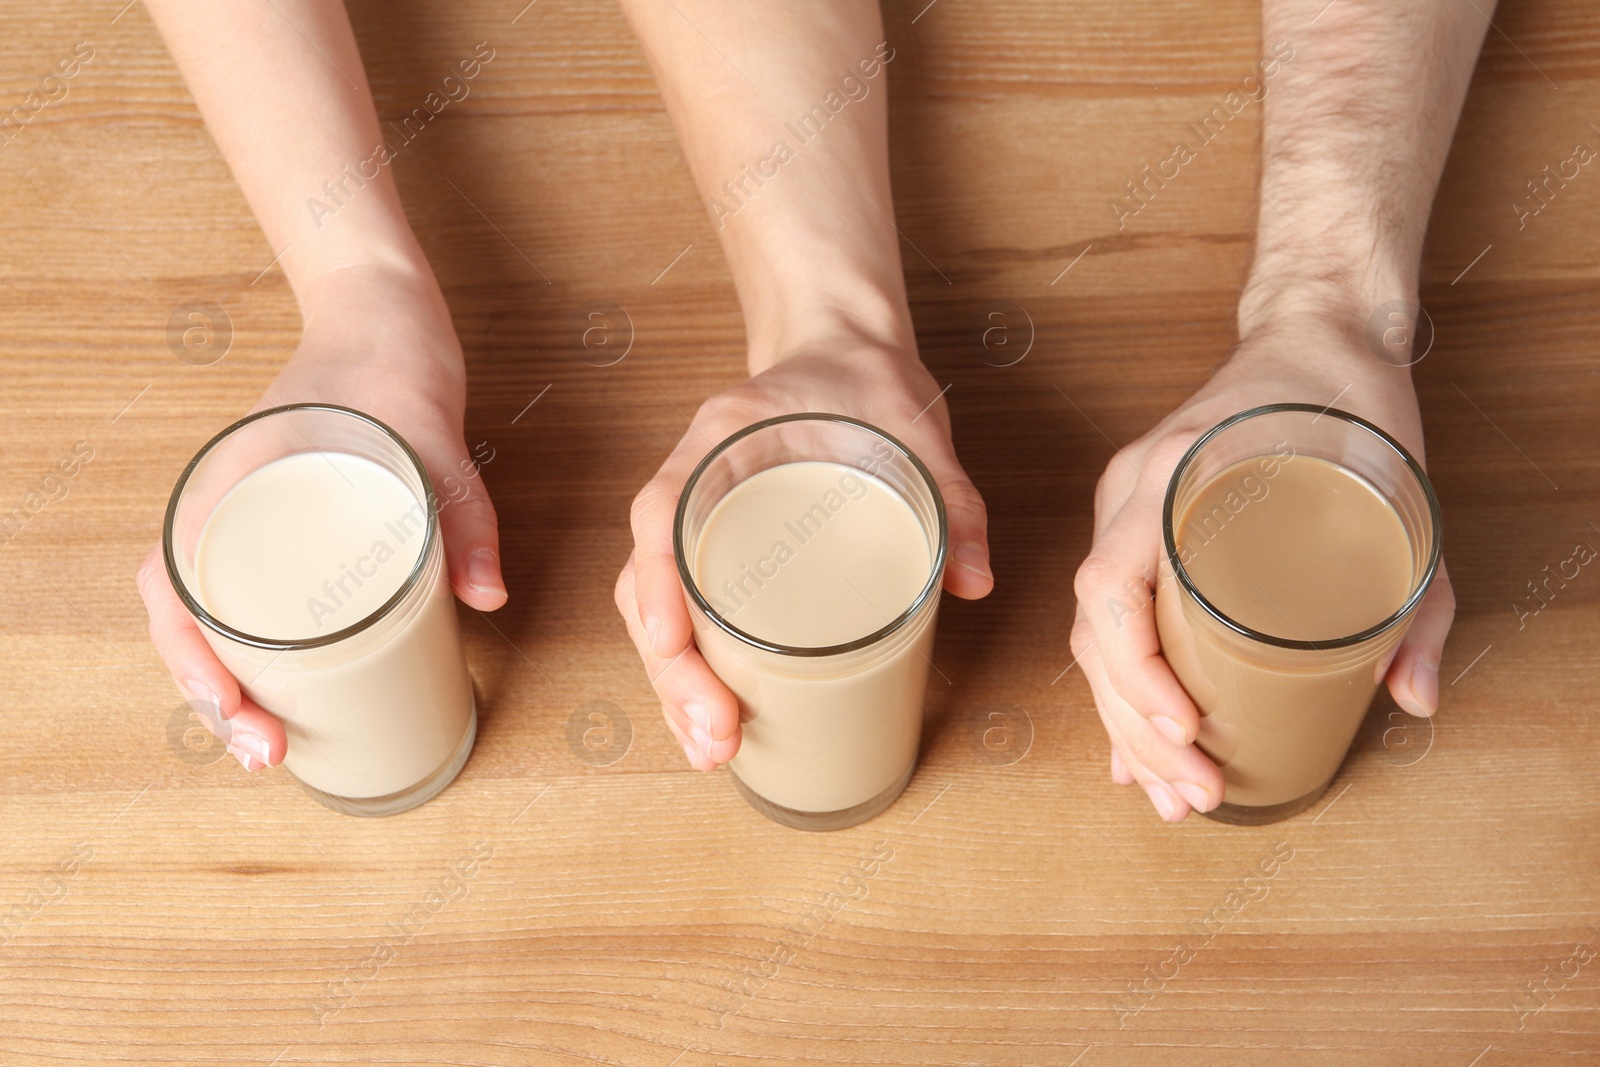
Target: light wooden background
x,y
166,908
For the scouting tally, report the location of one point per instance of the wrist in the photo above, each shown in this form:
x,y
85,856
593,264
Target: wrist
x,y
383,315
1344,299
819,323
364,287
1320,258
808,277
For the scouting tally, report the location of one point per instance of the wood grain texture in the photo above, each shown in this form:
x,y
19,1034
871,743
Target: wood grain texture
x,y
166,908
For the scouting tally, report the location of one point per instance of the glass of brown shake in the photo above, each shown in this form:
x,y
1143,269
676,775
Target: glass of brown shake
x,y
1299,542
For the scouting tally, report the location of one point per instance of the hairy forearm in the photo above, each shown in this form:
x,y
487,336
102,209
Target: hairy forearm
x,y
283,91
1355,135
781,108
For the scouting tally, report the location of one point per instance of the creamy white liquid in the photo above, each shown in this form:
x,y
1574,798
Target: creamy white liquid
x,y
307,546
815,554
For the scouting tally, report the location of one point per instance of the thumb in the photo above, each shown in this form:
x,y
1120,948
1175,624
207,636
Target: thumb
x,y
1414,675
966,573
471,535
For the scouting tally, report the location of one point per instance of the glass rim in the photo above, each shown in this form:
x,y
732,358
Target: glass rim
x,y
1399,615
205,617
930,588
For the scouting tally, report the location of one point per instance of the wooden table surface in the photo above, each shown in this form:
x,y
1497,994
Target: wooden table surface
x,y
561,904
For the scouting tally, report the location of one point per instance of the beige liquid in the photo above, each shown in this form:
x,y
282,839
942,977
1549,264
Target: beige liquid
x,y
307,546
815,554
1310,552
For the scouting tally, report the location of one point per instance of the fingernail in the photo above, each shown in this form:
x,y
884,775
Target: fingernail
x,y
245,759
204,694
700,715
1166,804
483,572
689,754
251,745
1197,797
1116,765
651,627
974,557
701,739
1169,729
210,716
1425,684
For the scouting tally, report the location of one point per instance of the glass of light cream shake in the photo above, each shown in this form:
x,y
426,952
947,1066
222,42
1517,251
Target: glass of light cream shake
x,y
812,549
305,540
1299,542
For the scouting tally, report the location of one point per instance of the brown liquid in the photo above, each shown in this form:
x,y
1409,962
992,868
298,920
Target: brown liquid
x,y
1296,548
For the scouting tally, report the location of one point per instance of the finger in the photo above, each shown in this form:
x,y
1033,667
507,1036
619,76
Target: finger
x,y
250,732
1115,598
967,573
1119,770
1164,798
176,635
256,736
1414,675
697,757
702,711
471,534
1142,747
658,591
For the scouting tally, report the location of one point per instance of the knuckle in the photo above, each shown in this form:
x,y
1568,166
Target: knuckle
x,y
961,495
1094,574
1163,456
648,501
150,572
1082,641
622,592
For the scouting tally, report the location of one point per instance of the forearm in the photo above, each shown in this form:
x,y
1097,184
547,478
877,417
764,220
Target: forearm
x,y
794,168
283,91
1356,129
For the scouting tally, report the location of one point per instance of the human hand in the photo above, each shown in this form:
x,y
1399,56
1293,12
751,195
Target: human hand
x,y
850,375
1151,720
379,341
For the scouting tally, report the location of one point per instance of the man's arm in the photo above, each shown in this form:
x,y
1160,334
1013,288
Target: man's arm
x,y
1357,125
1355,133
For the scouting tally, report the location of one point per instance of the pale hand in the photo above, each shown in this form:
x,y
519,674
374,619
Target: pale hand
x,y
381,343
1151,721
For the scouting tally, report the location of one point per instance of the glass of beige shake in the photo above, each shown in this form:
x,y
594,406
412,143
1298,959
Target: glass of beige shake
x,y
1299,542
812,549
305,541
